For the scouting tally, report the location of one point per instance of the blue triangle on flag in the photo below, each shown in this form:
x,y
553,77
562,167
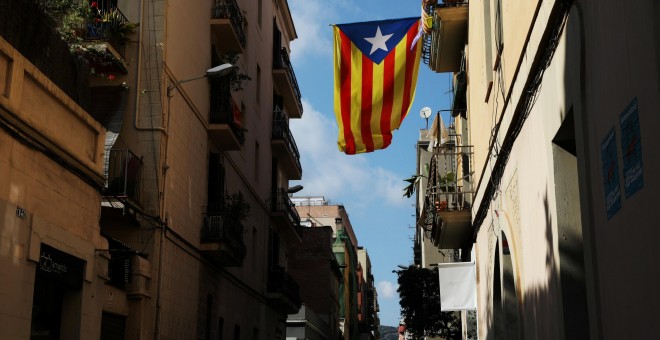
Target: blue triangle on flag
x,y
376,39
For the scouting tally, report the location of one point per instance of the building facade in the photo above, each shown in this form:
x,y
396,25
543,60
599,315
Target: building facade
x,y
368,321
164,196
560,97
52,266
317,212
314,267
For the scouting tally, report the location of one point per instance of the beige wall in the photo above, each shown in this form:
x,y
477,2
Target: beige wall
x,y
531,210
324,215
61,208
176,153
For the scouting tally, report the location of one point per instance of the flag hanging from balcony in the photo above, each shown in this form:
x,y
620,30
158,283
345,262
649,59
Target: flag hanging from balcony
x,y
376,65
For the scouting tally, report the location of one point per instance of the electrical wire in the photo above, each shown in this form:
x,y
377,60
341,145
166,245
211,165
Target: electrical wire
x,y
523,110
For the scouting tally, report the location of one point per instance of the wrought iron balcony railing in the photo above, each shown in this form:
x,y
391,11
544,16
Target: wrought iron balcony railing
x,y
107,23
216,229
124,174
282,132
281,61
279,281
450,179
282,203
224,110
228,9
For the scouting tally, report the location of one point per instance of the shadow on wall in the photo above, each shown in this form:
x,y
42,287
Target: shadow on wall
x,y
540,315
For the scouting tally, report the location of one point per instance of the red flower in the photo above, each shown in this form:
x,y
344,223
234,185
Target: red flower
x,y
94,4
97,20
111,76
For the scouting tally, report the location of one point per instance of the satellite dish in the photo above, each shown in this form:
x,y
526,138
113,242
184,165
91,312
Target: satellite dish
x,y
425,112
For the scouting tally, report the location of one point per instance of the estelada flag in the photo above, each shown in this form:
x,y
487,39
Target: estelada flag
x,y
376,65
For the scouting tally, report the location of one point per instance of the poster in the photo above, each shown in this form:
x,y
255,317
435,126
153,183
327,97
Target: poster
x,y
610,167
631,145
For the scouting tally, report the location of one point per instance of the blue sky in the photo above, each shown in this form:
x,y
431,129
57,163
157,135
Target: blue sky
x,y
370,186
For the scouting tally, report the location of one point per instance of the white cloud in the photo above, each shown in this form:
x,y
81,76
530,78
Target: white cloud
x,y
386,289
339,177
306,15
312,20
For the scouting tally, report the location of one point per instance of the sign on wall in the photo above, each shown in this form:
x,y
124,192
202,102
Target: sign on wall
x,y
58,266
610,167
631,144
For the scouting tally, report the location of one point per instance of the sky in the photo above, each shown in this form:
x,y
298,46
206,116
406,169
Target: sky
x,y
370,186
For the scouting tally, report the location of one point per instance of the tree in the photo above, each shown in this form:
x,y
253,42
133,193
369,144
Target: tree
x,y
419,293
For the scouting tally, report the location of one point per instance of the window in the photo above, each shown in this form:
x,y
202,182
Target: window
x,y
255,334
499,36
258,84
256,161
209,310
254,247
273,248
237,332
221,328
216,184
488,48
259,12
112,326
243,115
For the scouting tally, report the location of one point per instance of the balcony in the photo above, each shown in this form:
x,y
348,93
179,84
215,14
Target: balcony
x,y
448,37
284,146
451,192
225,118
286,82
283,292
227,27
103,32
124,173
222,241
284,213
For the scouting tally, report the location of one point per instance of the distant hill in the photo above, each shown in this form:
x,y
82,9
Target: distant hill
x,y
388,333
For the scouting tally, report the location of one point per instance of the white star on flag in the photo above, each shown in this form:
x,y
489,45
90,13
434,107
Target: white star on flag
x,y
378,41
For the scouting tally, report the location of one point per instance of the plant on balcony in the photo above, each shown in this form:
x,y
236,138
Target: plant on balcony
x,y
409,190
447,183
79,22
236,78
235,209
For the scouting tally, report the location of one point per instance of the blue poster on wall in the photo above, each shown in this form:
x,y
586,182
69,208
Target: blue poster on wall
x,y
631,144
608,151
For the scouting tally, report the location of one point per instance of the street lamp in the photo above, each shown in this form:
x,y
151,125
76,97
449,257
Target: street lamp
x,y
217,71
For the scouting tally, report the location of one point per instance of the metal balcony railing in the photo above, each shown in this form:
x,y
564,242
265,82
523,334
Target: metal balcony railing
x,y
282,203
223,109
281,131
124,174
106,23
279,281
281,61
450,178
228,9
217,230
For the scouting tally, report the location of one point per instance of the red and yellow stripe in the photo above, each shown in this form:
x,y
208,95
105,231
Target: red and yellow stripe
x,y
371,100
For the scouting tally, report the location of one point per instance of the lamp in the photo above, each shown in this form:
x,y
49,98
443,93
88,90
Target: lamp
x,y
217,71
294,189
